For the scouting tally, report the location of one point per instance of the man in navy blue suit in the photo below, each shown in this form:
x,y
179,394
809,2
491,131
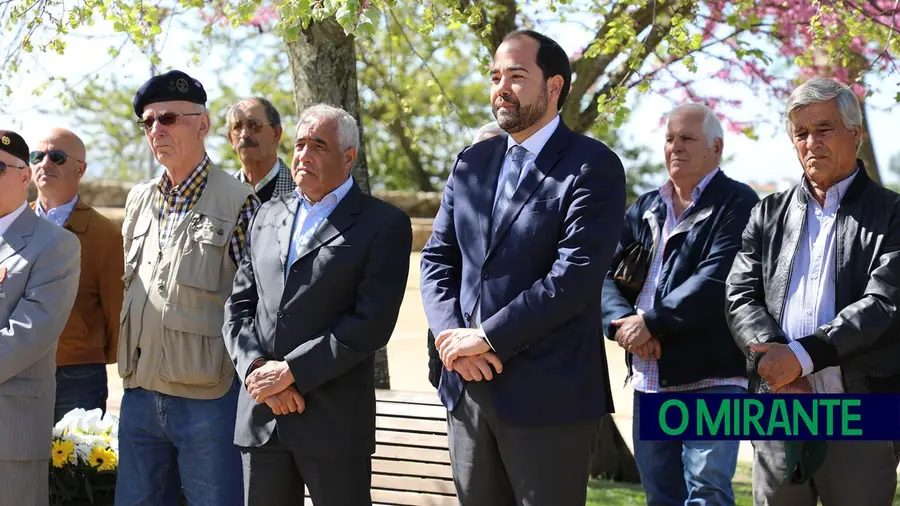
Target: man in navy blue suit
x,y
511,283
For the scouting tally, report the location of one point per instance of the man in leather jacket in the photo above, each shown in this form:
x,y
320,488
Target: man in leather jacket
x,y
812,300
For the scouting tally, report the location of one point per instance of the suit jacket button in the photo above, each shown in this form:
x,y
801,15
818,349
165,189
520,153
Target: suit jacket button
x,y
485,275
280,313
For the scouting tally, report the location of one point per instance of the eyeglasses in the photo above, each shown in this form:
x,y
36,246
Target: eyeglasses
x,y
250,124
4,165
165,119
57,156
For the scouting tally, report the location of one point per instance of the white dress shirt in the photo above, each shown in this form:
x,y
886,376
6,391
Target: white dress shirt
x,y
811,298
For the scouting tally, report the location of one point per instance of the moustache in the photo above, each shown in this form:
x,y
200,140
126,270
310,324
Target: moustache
x,y
504,100
247,143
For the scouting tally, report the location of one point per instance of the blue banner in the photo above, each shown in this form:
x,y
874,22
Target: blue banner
x,y
677,416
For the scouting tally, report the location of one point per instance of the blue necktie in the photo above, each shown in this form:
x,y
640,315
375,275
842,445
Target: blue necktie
x,y
508,185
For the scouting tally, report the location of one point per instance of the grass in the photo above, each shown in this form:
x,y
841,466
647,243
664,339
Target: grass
x,y
610,493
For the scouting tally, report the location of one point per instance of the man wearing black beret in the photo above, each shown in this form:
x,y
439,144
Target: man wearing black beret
x,y
39,270
183,237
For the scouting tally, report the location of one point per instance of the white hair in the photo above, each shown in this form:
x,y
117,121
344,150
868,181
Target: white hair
x,y
487,131
819,89
712,127
347,129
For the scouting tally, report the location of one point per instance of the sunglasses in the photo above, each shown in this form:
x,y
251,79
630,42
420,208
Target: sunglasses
x,y
251,124
57,156
4,165
165,119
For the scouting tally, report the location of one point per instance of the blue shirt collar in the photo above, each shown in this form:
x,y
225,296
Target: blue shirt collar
x,y
332,199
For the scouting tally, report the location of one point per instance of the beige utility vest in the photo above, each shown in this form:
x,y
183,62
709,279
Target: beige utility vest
x,y
170,337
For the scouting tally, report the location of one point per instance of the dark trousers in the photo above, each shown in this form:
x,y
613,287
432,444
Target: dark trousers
x,y
275,476
496,463
80,386
854,473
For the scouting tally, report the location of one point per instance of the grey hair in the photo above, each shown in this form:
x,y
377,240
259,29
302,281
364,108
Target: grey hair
x,y
819,89
347,129
712,127
272,114
487,131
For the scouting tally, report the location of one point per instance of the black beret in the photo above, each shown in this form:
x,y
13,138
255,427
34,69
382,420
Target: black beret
x,y
173,85
14,144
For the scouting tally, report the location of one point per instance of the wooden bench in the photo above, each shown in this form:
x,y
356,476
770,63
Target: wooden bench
x,y
411,465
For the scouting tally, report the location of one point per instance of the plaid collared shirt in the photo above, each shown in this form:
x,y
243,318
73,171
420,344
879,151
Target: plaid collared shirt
x,y
176,201
284,182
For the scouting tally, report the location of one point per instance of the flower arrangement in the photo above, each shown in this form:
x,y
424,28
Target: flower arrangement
x,y
84,458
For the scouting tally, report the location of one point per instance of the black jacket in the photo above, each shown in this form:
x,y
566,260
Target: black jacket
x,y
686,315
863,337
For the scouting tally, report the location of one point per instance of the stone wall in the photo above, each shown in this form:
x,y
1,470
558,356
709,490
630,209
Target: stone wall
x,y
109,198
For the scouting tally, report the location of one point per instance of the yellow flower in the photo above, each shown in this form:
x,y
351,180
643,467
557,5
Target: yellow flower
x,y
63,452
103,458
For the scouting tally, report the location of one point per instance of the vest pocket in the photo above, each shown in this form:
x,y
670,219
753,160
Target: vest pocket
x,y
193,351
201,261
125,353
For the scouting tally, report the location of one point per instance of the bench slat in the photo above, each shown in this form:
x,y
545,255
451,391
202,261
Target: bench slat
x,y
410,424
412,498
408,453
409,439
407,397
411,410
413,484
411,469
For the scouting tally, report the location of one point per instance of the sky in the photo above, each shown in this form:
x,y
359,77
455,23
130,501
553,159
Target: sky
x,y
771,158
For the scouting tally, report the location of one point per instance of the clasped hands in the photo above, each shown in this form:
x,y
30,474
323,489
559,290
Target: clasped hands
x,y
273,383
466,352
633,336
781,369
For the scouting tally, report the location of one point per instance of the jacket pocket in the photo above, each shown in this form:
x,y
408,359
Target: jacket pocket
x,y
21,387
201,262
193,351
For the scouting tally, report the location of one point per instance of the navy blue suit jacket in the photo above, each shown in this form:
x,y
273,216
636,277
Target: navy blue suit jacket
x,y
539,278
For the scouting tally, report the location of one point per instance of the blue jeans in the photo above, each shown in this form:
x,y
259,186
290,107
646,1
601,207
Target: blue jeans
x,y
686,473
168,442
80,386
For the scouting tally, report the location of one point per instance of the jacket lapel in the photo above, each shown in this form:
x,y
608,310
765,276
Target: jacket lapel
x,y
79,218
14,239
284,221
339,220
543,165
484,200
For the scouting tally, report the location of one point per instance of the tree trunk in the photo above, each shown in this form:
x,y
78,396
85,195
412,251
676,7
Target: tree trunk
x,y
866,150
323,70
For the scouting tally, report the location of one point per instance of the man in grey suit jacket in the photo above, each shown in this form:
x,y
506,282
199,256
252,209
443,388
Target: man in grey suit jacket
x,y
316,294
39,269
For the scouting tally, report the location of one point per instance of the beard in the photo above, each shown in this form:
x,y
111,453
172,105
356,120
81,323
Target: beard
x,y
521,116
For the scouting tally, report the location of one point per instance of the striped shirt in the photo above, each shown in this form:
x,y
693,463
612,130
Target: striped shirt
x,y
176,201
646,370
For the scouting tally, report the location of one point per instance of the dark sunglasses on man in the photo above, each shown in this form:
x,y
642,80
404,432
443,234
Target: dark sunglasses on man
x,y
4,165
165,119
57,156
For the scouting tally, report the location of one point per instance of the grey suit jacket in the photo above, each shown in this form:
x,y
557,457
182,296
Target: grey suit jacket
x,y
338,305
42,264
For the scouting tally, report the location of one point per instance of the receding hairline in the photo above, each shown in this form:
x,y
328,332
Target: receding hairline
x,y
64,133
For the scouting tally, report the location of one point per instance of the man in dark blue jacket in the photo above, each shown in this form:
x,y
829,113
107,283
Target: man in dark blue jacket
x,y
673,326
511,282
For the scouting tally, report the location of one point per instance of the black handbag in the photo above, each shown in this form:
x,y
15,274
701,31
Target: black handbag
x,y
631,270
